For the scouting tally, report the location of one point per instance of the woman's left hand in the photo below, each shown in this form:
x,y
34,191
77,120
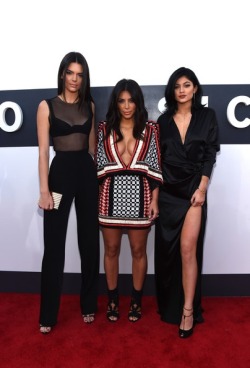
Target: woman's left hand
x,y
198,198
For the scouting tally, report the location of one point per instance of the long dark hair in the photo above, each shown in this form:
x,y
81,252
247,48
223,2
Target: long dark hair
x,y
171,104
84,92
113,116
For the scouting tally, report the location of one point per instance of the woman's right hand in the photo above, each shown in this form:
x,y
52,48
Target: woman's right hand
x,y
46,201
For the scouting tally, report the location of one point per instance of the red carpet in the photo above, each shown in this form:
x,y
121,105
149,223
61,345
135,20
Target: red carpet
x,y
223,341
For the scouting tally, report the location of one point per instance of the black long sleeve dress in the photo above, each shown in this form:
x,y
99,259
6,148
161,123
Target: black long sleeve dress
x,y
183,165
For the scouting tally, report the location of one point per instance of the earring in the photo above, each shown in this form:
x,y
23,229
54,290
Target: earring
x,y
194,98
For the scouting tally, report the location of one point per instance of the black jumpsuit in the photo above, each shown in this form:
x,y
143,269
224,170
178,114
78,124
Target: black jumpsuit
x,y
72,174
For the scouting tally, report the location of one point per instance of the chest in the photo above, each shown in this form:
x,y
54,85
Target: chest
x,y
127,145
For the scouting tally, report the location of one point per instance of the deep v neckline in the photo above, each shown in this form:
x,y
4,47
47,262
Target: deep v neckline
x,y
178,130
119,155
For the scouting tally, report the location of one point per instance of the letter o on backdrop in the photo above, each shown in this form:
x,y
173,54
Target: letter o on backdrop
x,y
18,116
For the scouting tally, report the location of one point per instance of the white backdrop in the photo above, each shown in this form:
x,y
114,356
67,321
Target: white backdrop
x,y
145,41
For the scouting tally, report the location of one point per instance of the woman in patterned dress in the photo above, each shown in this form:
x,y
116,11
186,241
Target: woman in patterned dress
x,y
129,173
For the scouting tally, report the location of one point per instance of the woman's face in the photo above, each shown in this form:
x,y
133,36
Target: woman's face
x,y
73,77
184,90
126,105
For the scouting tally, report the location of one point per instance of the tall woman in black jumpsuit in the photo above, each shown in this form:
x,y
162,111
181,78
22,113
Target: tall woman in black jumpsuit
x,y
68,119
189,142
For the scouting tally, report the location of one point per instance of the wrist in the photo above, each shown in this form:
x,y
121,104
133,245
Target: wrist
x,y
44,193
202,190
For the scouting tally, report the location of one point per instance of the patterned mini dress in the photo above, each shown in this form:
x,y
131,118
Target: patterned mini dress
x,y
126,190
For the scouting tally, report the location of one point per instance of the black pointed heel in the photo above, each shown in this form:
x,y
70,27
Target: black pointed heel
x,y
186,333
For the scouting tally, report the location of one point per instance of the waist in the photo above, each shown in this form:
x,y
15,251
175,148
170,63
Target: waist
x,y
72,153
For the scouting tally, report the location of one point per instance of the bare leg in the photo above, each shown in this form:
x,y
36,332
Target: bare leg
x,y
112,245
138,243
189,237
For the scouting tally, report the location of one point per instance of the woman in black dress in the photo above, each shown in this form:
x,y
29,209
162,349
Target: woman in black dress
x,y
189,143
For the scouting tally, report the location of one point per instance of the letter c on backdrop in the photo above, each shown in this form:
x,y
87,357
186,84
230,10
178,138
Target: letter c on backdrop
x,y
231,112
18,116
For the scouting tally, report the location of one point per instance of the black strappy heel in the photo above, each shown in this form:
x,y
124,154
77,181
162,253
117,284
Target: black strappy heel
x,y
134,313
113,306
88,318
45,330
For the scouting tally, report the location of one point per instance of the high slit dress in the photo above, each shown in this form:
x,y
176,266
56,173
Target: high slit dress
x,y
183,165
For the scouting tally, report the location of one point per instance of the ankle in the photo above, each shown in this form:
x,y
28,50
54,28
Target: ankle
x,y
136,296
188,308
188,312
113,295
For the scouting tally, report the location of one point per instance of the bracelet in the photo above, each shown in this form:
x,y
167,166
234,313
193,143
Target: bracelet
x,y
202,190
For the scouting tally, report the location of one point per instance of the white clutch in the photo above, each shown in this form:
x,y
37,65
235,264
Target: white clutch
x,y
57,199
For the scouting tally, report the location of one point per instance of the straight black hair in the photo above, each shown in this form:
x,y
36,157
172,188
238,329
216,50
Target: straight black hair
x,y
84,92
113,115
171,104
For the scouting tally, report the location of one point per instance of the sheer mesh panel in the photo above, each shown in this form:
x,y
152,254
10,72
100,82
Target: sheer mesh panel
x,y
70,113
71,139
72,142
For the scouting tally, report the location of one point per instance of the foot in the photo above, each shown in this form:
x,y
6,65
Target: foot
x,y
187,323
45,329
134,313
88,318
113,311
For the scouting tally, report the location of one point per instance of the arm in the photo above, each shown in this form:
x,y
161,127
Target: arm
x,y
153,156
92,135
155,172
212,147
153,208
101,159
212,144
45,200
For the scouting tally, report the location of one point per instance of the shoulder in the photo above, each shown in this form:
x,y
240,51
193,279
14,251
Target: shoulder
x,y
43,107
92,106
48,101
152,126
101,125
205,111
207,114
163,118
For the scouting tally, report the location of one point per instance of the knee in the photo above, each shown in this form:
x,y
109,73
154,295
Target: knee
x,y
138,254
112,250
188,251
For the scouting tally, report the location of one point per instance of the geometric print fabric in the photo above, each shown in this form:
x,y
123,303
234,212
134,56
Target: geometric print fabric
x,y
126,199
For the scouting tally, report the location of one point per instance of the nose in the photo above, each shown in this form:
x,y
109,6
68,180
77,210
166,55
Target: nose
x,y
126,104
74,77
